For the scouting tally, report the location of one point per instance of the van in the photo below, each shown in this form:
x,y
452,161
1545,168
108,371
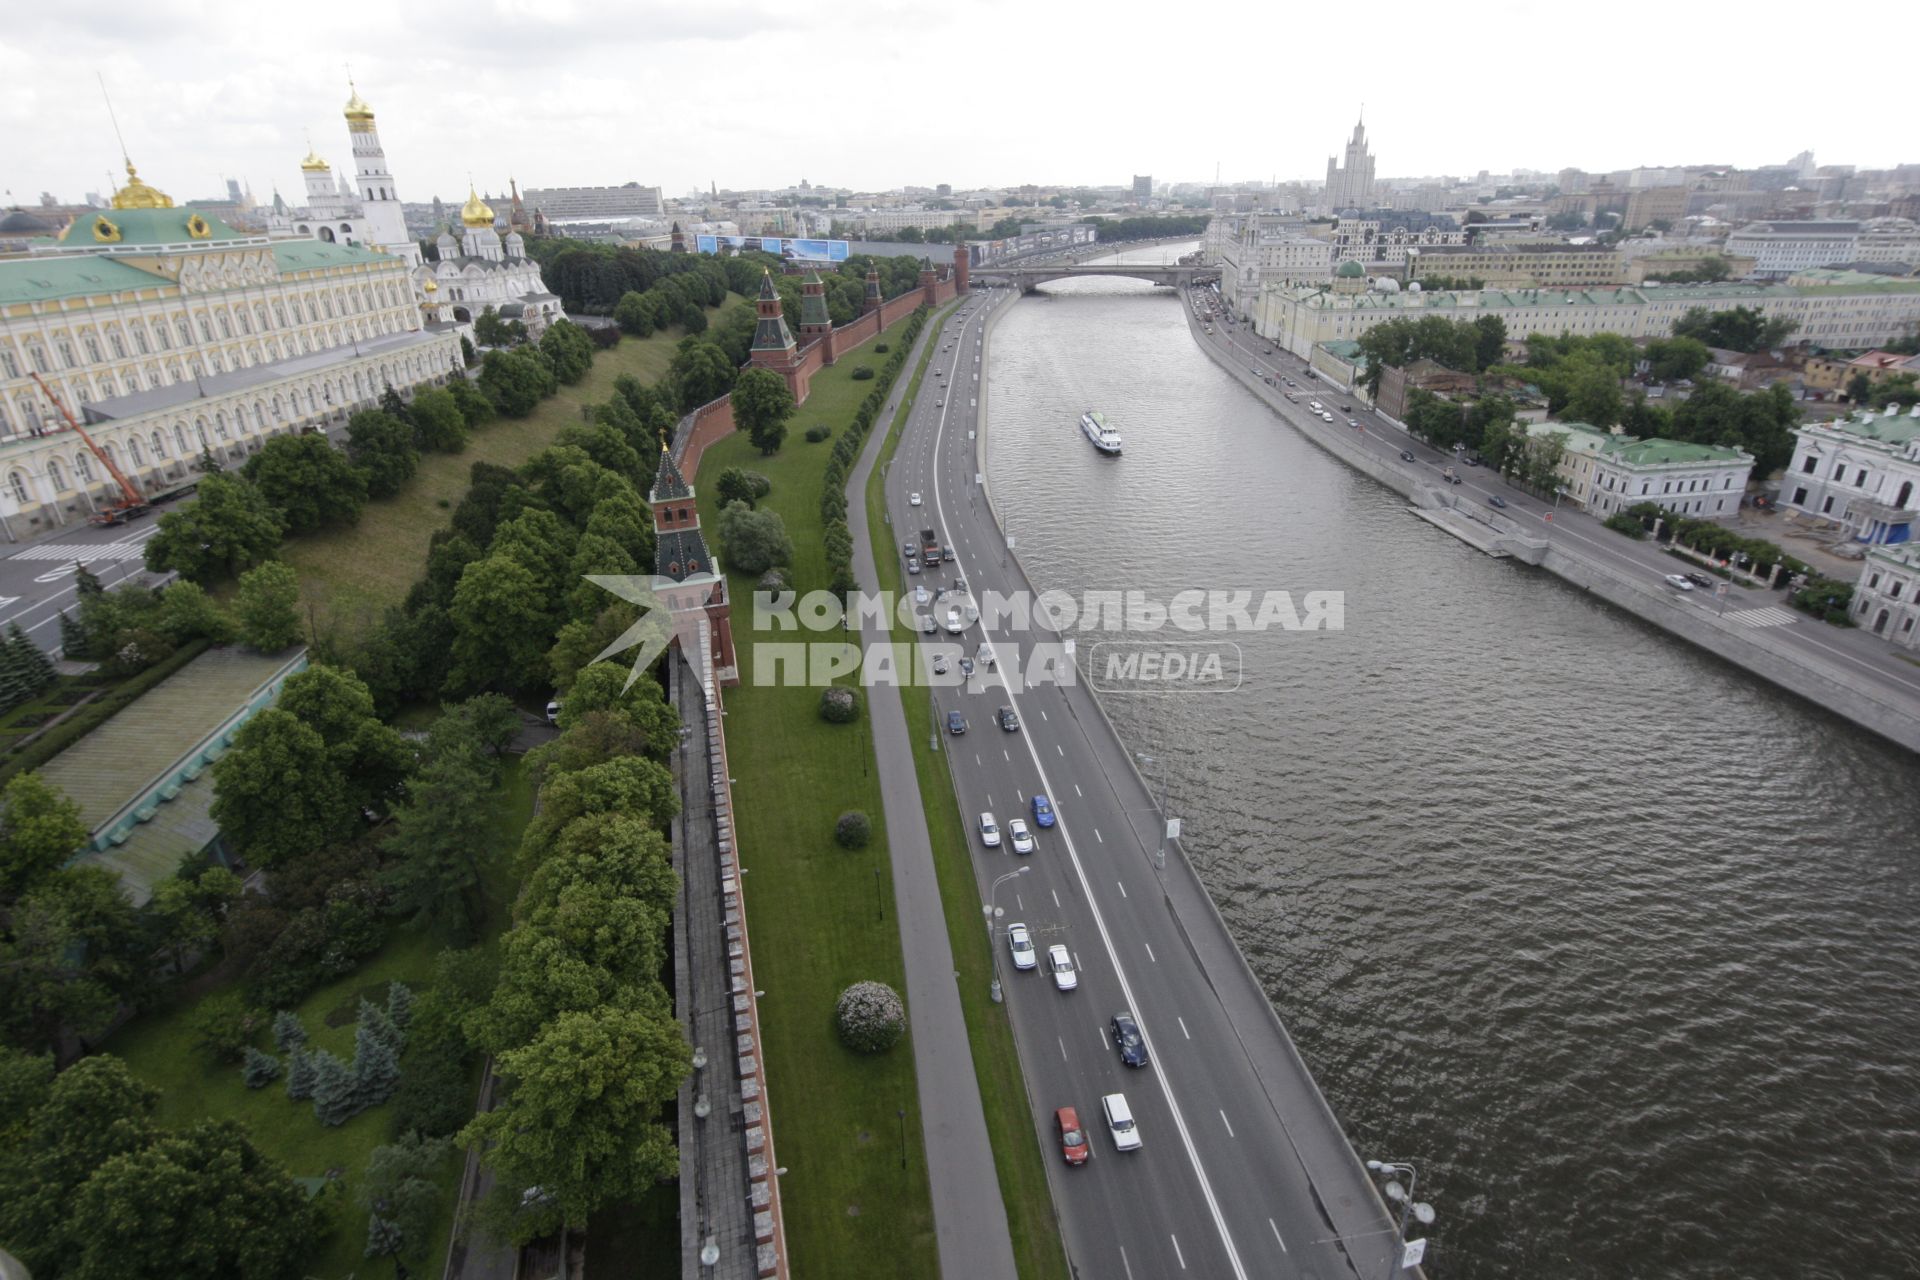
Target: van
x,y
1126,1135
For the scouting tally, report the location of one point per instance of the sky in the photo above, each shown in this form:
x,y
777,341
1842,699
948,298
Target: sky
x,y
878,94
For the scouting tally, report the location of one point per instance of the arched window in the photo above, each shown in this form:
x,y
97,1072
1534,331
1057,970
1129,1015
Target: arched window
x,y
246,321
133,451
279,410
116,344
18,483
200,429
38,355
66,353
260,315
83,467
206,330
186,334
8,361
226,330
280,314
158,443
92,344
55,476
220,423
259,416
180,438
140,338
30,415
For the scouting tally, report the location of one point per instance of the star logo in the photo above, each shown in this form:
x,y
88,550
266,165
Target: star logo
x,y
650,633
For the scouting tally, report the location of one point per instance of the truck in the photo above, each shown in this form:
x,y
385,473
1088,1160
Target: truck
x,y
929,546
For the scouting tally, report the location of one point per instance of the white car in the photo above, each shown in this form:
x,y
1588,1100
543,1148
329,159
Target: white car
x,y
990,833
1020,942
939,664
1678,582
922,596
1060,964
913,499
1327,416
1021,837
1126,1134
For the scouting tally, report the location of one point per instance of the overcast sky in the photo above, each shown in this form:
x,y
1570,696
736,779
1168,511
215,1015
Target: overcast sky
x,y
876,94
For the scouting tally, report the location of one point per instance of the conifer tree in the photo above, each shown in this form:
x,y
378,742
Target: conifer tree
x,y
334,1101
261,1069
400,1006
287,1031
300,1075
376,1063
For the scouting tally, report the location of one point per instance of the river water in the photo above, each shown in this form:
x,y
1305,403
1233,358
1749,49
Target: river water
x,y
1610,940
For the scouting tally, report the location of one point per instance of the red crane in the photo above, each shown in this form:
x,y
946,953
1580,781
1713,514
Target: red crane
x,y
132,502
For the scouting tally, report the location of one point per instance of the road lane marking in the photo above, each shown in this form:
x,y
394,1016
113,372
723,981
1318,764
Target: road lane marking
x,y
1183,1026
1229,1124
1097,836
1150,955
1176,1250
1005,755
1123,887
1060,749
1056,898
1063,1049
1125,1263
1276,1236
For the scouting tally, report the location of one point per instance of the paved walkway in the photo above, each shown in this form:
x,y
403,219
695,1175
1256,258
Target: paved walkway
x,y
969,1217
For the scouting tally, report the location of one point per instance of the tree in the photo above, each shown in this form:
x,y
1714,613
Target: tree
x,y
287,1031
39,830
494,719
376,1059
492,331
200,1202
635,315
277,794
267,607
1490,341
503,625
300,1074
854,830
69,956
1859,388
762,403
753,541
187,612
628,785
223,1026
1745,329
90,1113
260,1069
334,1100
441,837
1676,359
309,481
630,1064
870,1017
381,445
229,528
438,424
401,1186
1898,388
1593,393
516,381
568,351
400,1005
603,687
699,372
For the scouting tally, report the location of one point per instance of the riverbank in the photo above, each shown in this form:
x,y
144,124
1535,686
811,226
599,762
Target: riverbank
x,y
1826,684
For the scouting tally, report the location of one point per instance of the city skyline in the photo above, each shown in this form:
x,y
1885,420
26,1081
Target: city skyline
x,y
680,100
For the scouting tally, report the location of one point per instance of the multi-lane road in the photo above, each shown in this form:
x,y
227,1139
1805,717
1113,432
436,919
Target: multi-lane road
x,y
1243,1171
37,578
1863,658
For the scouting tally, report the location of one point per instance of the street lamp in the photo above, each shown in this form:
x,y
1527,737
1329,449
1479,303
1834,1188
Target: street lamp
x,y
1559,492
1409,1254
992,912
1160,808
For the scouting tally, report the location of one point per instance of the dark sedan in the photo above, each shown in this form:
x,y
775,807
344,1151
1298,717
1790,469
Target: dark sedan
x,y
1127,1038
956,723
1497,501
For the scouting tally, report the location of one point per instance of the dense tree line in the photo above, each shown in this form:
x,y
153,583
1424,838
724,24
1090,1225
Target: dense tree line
x,y
833,489
1734,329
1466,346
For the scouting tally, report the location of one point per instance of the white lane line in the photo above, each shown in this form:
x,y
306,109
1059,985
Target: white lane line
x,y
1125,1263
1176,1250
1063,1049
1004,755
1122,887
1061,750
1043,716
1276,1236
1097,836
1019,903
1229,1124
1056,898
1150,955
1183,1026
1077,791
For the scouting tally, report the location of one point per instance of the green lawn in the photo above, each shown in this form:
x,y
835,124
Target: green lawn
x,y
159,1049
1017,1155
820,917
348,577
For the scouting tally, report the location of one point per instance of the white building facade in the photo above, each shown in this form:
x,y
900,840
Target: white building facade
x,y
1886,599
1862,472
1779,249
1607,473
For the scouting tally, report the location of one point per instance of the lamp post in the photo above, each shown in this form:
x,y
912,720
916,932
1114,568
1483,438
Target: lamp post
x,y
991,912
1559,492
1403,1196
1160,808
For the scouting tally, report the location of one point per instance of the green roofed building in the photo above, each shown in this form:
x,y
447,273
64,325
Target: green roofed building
x,y
143,779
1606,473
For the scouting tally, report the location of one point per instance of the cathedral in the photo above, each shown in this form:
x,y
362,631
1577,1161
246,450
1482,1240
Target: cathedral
x,y
473,272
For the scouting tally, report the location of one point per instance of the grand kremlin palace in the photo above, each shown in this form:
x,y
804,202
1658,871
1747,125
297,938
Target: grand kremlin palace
x,y
168,332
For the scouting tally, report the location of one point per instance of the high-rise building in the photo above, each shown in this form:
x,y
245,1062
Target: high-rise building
x,y
1143,186
1350,186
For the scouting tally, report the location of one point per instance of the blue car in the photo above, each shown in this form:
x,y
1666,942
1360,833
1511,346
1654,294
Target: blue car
x,y
957,725
1042,812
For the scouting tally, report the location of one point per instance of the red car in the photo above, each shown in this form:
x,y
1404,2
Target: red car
x,y
1073,1141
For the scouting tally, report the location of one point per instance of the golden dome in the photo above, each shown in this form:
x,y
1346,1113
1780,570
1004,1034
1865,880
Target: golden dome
x,y
358,112
431,287
138,195
476,212
313,163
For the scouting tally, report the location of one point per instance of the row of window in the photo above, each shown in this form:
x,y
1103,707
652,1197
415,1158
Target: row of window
x,y
242,322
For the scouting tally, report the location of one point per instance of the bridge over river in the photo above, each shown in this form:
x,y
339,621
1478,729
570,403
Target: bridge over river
x,y
1030,277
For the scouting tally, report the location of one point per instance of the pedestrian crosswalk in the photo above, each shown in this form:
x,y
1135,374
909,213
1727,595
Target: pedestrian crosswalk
x,y
1772,615
71,553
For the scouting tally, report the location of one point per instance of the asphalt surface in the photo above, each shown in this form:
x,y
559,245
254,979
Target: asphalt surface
x,y
1243,1170
37,577
1861,656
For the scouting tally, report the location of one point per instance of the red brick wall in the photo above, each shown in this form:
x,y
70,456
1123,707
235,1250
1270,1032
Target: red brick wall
x,y
711,421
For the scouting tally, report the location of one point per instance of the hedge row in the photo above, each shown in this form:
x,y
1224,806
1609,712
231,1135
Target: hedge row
x,y
838,538
98,712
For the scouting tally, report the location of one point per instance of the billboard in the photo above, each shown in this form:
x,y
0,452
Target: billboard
x,y
779,247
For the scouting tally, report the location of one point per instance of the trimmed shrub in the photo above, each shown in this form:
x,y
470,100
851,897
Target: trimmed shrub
x,y
854,830
879,348
773,580
863,373
870,1017
816,434
839,705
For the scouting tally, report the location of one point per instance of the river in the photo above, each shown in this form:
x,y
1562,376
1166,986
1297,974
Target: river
x,y
1612,941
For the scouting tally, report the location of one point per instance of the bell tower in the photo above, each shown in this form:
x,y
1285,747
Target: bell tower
x,y
379,201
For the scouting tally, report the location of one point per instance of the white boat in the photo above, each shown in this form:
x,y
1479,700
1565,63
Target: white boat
x,y
1094,426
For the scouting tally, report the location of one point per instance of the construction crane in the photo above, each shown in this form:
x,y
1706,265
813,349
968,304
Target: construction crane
x,y
132,502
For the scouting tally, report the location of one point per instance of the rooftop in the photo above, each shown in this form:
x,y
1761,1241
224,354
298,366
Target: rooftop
x,y
1882,428
1631,451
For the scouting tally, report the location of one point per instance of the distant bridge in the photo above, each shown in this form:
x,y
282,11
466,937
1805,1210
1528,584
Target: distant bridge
x,y
1029,278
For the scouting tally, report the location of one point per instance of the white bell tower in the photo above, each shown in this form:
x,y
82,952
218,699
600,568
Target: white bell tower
x,y
386,222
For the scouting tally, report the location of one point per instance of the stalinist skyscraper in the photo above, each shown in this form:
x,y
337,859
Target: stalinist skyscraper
x,y
1351,187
